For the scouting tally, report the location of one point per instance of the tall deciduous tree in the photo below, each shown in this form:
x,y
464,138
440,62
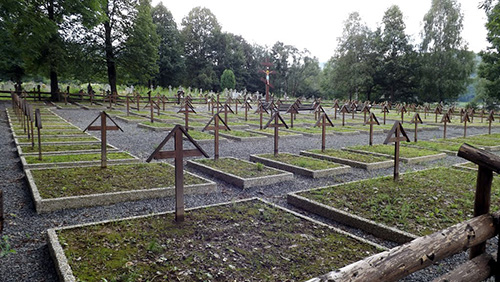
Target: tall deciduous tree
x,y
171,60
140,56
227,80
446,62
489,69
200,33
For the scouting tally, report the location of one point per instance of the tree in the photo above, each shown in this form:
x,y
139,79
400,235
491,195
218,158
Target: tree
x,y
446,62
489,69
171,60
200,34
227,80
138,61
397,63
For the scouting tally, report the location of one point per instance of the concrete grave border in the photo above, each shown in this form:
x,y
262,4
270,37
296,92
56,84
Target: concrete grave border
x,y
414,160
352,163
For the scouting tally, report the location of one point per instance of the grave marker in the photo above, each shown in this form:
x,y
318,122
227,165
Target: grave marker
x,y
276,117
324,121
385,110
372,121
399,135
365,110
226,109
490,119
293,111
188,108
216,127
465,119
445,120
246,106
416,120
402,110
38,124
261,110
344,110
103,128
335,107
178,155
438,111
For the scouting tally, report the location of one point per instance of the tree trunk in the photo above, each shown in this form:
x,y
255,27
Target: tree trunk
x,y
54,84
110,57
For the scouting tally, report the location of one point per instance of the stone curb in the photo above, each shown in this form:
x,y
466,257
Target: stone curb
x,y
102,199
414,160
239,181
44,153
26,166
300,170
352,163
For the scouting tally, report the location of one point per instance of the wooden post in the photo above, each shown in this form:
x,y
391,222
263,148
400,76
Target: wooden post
x,y
372,120
416,120
276,118
403,111
178,154
437,111
324,121
465,119
39,92
445,120
216,127
247,106
103,128
385,110
335,107
490,119
38,124
487,163
186,109
261,110
343,110
397,130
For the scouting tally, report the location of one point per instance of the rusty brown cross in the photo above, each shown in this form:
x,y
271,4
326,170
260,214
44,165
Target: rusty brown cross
x,y
416,120
462,112
365,110
343,111
465,119
354,108
426,109
372,120
399,135
178,155
247,107
103,128
445,120
216,119
275,122
385,110
317,111
323,121
261,110
186,109
482,113
226,109
472,112
31,130
402,110
293,110
490,119
38,124
438,111
335,107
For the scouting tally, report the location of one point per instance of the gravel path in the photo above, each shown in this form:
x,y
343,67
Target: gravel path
x,y
26,231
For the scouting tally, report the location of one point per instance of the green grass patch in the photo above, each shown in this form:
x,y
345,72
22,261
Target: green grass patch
x,y
61,148
271,131
364,158
475,140
157,124
301,161
435,145
404,152
76,158
61,139
242,133
132,117
234,242
312,130
78,181
238,167
420,202
50,132
197,135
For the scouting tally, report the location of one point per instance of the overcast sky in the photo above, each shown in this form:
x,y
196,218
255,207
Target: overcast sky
x,y
315,25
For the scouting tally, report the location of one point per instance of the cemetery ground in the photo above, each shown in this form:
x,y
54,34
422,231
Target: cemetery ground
x,y
25,252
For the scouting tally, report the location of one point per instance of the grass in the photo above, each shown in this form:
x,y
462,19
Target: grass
x,y
404,152
248,241
436,145
78,181
475,140
61,139
50,132
301,161
420,202
157,124
364,158
271,131
76,158
197,135
313,130
59,148
241,133
239,168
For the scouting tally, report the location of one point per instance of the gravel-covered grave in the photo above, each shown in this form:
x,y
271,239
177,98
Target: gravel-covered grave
x,y
25,255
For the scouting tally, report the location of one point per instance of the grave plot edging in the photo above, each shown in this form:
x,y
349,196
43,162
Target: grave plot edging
x,y
272,135
132,159
102,199
307,134
125,119
110,149
239,181
244,139
352,163
66,274
413,160
377,229
154,128
300,170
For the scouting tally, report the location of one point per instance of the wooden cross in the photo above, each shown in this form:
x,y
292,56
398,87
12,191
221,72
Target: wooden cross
x,y
372,121
399,135
438,111
462,112
403,111
385,110
178,155
31,134
216,127
416,120
471,115
236,101
365,110
226,109
426,109
138,100
38,124
186,109
490,119
344,110
353,109
103,128
293,111
324,121
276,117
317,111
465,119
482,115
261,110
445,120
247,107
335,107
128,100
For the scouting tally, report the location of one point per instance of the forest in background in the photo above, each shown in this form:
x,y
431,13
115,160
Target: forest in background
x,y
129,42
